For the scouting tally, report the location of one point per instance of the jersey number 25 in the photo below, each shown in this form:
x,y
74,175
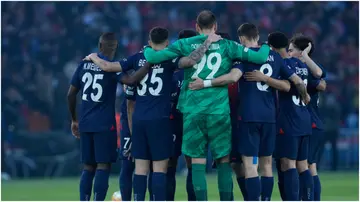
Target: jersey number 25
x,y
88,79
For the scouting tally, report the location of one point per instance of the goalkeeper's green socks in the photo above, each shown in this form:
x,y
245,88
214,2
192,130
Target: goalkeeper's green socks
x,y
199,181
225,183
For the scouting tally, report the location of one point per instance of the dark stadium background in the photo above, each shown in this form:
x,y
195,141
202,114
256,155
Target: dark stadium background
x,y
42,42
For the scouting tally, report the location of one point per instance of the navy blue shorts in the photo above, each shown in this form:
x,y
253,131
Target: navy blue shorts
x,y
235,156
125,139
99,147
292,147
315,141
177,128
152,139
256,139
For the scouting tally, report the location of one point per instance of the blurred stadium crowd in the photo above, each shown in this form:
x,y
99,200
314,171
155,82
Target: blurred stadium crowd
x,y
42,43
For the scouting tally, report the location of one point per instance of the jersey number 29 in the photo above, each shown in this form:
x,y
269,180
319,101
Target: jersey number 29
x,y
208,62
142,88
88,79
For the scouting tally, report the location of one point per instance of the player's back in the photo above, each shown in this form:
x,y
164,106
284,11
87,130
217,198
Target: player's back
x,y
153,92
97,112
294,117
216,62
257,102
313,106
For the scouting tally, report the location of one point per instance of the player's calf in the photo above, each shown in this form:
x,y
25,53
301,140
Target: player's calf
x,y
306,181
189,185
252,181
267,179
158,184
171,179
101,183
86,182
317,184
291,179
125,179
225,183
239,171
199,178
142,168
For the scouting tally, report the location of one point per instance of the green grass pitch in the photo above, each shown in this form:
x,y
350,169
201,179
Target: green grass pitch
x,y
339,186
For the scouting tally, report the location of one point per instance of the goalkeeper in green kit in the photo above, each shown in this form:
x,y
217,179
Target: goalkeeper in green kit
x,y
206,112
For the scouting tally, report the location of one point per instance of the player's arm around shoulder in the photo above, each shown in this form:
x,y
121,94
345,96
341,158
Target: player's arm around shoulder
x,y
176,49
132,79
237,51
258,76
232,77
197,54
106,65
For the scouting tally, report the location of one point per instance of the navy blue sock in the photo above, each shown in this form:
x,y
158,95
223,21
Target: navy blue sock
x,y
170,184
306,186
86,182
150,186
158,186
101,184
267,184
139,187
189,186
241,183
281,184
291,185
125,179
317,188
253,188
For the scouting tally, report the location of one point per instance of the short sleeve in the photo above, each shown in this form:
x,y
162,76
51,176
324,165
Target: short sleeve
x,y
285,70
127,63
75,81
237,64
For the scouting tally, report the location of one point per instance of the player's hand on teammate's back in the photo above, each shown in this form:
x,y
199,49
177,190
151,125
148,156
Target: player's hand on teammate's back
x,y
75,129
212,38
197,84
255,76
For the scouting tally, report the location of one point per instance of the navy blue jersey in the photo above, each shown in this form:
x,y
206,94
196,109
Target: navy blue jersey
x,y
257,103
313,106
98,88
129,95
294,118
153,92
178,79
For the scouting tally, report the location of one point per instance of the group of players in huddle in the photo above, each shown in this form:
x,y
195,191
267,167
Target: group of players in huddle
x,y
246,103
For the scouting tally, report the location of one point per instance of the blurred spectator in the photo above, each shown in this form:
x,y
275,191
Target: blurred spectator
x,y
42,43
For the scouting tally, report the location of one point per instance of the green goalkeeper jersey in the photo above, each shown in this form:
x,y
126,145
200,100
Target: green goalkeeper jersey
x,y
216,62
